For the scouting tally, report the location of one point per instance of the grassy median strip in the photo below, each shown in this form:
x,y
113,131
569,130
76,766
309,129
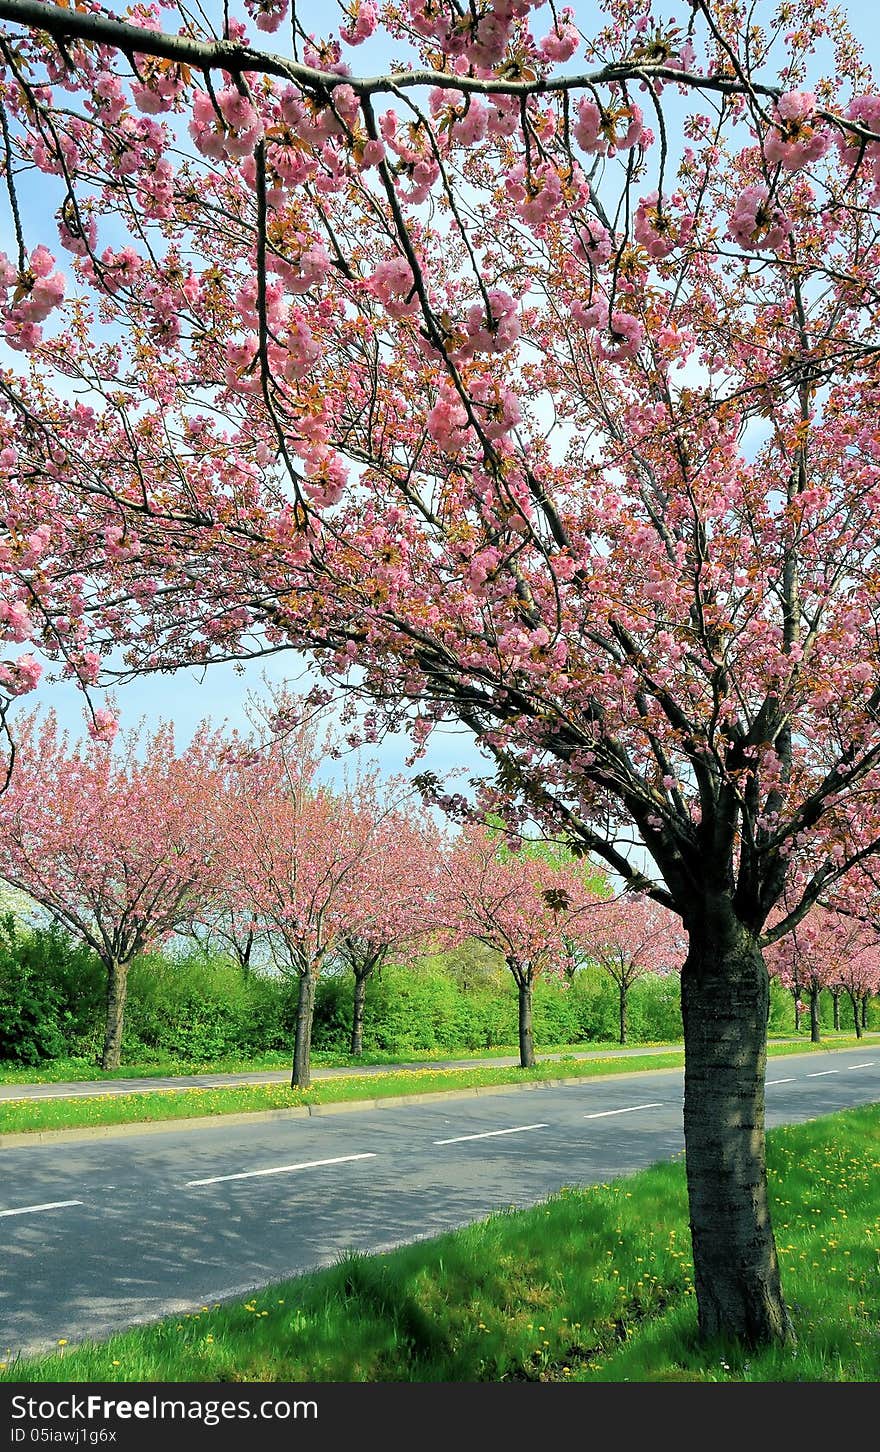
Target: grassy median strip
x,y
73,1070
593,1284
34,1115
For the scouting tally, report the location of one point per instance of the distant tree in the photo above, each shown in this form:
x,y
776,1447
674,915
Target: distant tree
x,y
787,971
630,936
398,913
306,859
858,974
813,957
836,990
519,904
120,844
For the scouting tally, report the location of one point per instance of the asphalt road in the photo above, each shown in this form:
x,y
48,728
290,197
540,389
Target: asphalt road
x,y
99,1235
78,1089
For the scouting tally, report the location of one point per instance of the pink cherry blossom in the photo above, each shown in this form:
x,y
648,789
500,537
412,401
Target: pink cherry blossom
x,y
363,19
796,139
267,14
756,221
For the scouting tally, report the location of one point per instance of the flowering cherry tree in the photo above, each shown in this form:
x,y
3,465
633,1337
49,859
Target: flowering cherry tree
x,y
813,956
790,977
520,905
530,384
857,967
859,977
401,907
120,845
629,936
306,860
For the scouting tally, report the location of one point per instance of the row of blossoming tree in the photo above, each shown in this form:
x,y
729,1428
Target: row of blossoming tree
x,y
833,950
529,381
126,844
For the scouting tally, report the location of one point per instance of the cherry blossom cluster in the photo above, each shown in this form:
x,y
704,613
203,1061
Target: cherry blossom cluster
x,y
27,297
344,320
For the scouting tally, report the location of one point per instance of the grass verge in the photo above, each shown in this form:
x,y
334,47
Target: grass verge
x,y
34,1115
72,1071
591,1285
63,1071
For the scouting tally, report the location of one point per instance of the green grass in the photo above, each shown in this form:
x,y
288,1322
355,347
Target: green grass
x,y
61,1071
32,1115
591,1285
71,1071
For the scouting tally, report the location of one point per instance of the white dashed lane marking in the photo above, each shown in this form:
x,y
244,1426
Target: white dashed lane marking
x,y
50,1205
604,1113
491,1133
277,1170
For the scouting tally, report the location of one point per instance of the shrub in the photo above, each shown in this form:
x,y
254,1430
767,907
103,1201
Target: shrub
x,y
198,1008
655,1008
32,1015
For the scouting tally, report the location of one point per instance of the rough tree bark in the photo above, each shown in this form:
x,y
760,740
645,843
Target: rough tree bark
x,y
301,1076
357,1018
725,991
117,985
526,1035
814,1015
622,996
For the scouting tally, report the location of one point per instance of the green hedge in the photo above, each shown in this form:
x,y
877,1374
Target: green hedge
x,y
192,1007
185,1006
50,991
409,1010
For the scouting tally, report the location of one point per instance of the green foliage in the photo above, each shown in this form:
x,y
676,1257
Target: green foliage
x,y
197,1008
473,1005
411,1009
188,1007
44,984
654,1008
781,1019
560,855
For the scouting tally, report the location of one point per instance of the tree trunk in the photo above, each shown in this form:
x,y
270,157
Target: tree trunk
x,y
357,1019
302,1047
244,952
117,984
526,1037
814,1015
865,1011
725,990
797,1010
857,1018
622,994
835,995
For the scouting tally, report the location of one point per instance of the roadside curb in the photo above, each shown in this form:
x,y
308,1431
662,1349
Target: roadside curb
x,y
305,1111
